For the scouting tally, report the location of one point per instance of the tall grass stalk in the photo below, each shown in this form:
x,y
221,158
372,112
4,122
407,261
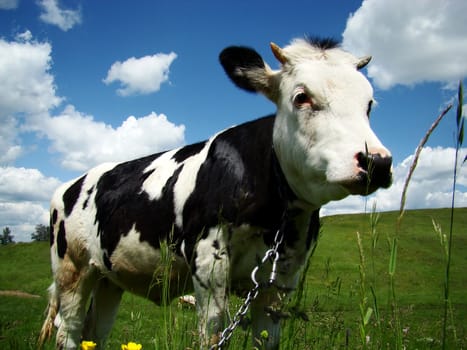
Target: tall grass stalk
x,y
448,244
459,141
443,240
374,236
166,262
393,298
365,310
422,143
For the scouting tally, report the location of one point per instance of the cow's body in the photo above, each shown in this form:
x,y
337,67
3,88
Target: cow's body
x,y
199,217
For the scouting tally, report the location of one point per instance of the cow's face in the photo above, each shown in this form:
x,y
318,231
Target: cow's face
x,y
322,135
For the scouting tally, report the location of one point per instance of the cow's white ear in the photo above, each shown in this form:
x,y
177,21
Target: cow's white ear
x,y
278,53
363,61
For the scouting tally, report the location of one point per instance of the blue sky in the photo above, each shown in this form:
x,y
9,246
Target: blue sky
x,y
91,81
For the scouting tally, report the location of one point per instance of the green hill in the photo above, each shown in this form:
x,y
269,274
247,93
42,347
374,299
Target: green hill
x,y
335,291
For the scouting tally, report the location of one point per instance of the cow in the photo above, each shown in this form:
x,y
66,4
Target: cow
x,y
216,206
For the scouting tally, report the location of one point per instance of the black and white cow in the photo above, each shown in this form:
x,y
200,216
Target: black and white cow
x,y
218,204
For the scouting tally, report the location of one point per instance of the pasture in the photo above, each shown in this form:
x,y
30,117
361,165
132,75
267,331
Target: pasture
x,y
346,302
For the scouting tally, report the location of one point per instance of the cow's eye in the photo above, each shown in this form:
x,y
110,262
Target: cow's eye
x,y
301,99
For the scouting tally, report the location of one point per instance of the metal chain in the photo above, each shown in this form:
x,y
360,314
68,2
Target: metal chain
x,y
272,254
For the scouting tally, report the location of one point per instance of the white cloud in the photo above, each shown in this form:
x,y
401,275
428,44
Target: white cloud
x,y
53,14
430,186
27,85
97,142
28,94
27,88
10,149
24,197
8,4
25,36
141,75
22,184
411,41
22,217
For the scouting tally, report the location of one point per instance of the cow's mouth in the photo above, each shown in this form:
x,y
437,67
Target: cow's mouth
x,y
365,184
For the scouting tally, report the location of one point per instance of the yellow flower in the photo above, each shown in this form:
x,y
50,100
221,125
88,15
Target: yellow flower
x,y
88,345
132,346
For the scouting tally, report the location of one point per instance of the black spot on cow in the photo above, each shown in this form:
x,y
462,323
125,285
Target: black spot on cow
x,y
188,151
236,185
71,195
61,240
241,188
51,236
121,204
54,217
86,201
53,221
107,262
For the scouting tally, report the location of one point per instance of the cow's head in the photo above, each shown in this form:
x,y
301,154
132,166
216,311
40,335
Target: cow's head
x,y
322,136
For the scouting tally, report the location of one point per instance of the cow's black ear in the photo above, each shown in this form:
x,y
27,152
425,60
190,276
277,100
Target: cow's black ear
x,y
242,65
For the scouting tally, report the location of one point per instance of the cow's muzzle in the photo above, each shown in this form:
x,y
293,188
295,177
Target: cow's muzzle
x,y
373,171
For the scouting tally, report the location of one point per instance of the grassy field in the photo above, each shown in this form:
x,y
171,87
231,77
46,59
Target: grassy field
x,y
348,301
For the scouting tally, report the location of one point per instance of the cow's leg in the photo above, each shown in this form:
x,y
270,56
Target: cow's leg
x,y
106,297
211,283
265,324
74,285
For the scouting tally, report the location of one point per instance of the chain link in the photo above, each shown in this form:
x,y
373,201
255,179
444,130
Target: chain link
x,y
270,254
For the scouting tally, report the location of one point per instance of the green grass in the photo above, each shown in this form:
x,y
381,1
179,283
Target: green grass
x,y
331,299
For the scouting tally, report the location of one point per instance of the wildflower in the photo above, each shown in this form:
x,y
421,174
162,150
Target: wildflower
x,y
132,346
88,345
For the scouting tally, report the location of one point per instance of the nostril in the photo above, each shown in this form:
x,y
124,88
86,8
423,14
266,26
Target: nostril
x,y
362,160
373,162
375,169
381,164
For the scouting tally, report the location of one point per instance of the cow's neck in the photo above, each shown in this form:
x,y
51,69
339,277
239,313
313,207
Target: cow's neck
x,y
286,193
284,190
300,221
